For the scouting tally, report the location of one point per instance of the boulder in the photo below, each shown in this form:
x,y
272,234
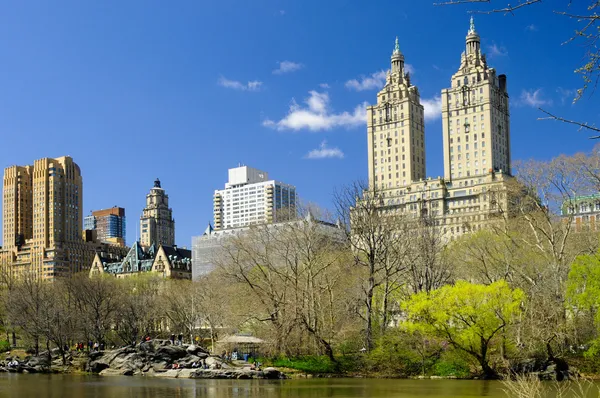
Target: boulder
x,y
213,361
170,353
188,361
272,373
195,350
116,372
171,373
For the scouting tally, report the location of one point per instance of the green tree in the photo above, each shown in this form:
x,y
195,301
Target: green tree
x,y
583,293
467,315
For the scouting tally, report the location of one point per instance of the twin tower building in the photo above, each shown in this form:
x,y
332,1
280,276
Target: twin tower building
x,y
476,136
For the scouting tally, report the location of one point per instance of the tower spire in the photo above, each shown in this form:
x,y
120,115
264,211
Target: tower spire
x,y
396,47
472,26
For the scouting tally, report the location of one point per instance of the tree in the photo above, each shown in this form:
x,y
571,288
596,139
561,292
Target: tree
x,y
96,301
583,292
379,241
468,315
138,314
292,272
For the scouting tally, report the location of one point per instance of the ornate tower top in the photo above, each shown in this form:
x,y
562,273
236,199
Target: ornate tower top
x,y
397,59
157,183
472,27
396,47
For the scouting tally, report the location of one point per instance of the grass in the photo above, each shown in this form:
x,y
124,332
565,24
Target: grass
x,y
308,364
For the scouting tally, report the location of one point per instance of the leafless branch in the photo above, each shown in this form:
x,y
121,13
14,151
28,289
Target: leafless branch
x,y
582,125
508,9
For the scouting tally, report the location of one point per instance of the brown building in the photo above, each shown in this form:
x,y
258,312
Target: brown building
x,y
42,220
109,224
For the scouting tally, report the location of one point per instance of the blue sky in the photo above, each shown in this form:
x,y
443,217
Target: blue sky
x,y
135,90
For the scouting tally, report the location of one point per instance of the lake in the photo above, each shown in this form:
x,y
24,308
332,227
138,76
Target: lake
x,y
68,386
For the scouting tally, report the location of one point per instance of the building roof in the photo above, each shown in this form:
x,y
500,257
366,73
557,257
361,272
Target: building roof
x,y
240,339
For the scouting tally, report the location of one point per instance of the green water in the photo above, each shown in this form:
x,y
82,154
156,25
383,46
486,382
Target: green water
x,y
59,386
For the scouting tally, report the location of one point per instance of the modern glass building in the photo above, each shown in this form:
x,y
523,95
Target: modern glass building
x,y
109,224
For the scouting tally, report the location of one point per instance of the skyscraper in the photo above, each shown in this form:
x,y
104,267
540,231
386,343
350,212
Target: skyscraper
x,y
396,130
42,219
475,118
250,197
109,224
476,137
157,225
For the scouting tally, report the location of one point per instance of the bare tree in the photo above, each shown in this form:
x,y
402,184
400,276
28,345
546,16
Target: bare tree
x,y
378,239
97,301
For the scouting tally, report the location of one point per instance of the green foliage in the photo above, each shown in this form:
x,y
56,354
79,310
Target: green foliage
x,y
452,363
467,315
404,351
583,292
308,364
4,346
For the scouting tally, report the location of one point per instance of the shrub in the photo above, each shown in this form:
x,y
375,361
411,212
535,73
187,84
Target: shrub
x,y
452,363
4,346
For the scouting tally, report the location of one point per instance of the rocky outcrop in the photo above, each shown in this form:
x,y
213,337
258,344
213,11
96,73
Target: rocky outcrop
x,y
553,369
159,358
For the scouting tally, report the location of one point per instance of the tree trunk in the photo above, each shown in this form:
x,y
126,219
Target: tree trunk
x,y
369,314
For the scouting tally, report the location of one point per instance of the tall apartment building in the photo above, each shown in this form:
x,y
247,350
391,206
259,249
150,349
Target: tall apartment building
x,y
475,118
42,219
157,225
109,224
476,137
396,130
250,197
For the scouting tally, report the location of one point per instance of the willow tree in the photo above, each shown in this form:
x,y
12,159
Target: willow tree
x,y
469,316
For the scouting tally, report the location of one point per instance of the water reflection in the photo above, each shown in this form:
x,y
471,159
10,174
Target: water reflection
x,y
63,386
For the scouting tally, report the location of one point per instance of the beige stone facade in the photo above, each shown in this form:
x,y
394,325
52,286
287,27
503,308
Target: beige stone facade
x,y
157,226
396,130
475,187
42,220
475,117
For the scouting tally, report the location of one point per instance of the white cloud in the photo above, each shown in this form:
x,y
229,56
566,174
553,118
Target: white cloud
x,y
433,108
566,94
317,115
497,51
324,152
281,12
375,81
287,67
533,98
324,85
234,84
531,28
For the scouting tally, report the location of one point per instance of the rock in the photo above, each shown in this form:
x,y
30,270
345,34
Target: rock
x,y
116,372
170,353
185,373
195,350
213,361
96,366
272,373
188,361
171,373
38,361
158,366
